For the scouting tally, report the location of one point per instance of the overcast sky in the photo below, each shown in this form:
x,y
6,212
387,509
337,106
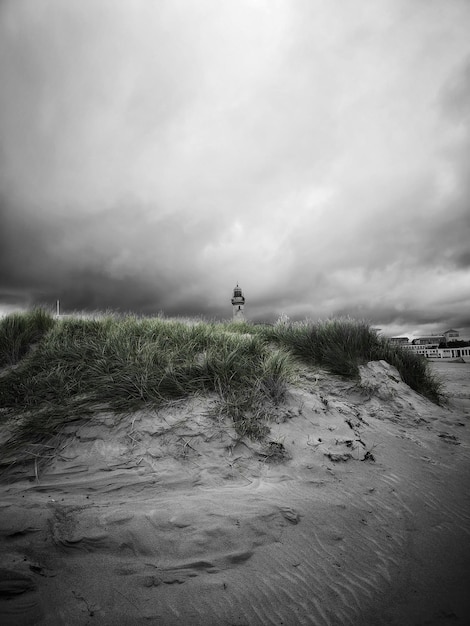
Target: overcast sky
x,y
154,154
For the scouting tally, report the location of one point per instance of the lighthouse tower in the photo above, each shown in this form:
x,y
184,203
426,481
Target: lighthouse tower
x,y
238,304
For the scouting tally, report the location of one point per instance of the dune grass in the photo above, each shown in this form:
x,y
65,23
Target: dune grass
x,y
340,345
19,331
80,367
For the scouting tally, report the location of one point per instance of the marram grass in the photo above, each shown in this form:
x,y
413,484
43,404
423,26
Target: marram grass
x,y
341,345
81,367
73,368
19,331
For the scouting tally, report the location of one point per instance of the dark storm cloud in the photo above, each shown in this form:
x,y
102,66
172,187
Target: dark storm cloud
x,y
462,260
318,153
122,258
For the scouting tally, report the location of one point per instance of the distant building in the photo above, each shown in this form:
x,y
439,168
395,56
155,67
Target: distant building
x,y
430,350
444,346
455,353
434,352
428,340
238,305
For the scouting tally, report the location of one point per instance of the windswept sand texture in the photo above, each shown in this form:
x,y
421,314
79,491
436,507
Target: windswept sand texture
x,y
357,512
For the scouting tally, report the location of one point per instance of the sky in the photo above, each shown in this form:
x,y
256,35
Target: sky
x,y
317,152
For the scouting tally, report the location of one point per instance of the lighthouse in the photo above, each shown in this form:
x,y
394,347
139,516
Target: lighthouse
x,y
238,304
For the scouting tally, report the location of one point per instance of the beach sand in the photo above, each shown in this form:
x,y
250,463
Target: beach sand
x,y
357,512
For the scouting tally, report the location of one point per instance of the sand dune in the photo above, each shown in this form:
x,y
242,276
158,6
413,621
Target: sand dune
x,y
357,511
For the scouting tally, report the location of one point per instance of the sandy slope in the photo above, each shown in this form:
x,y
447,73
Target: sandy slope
x,y
358,512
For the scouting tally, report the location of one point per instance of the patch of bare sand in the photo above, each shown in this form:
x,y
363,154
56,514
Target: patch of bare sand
x,y
456,376
357,512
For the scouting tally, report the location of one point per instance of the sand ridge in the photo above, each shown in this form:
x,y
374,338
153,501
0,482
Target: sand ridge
x,y
355,511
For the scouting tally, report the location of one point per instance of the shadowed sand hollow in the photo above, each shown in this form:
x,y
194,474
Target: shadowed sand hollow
x,y
355,511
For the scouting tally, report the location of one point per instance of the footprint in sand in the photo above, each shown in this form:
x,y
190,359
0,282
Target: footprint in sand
x,y
290,515
449,438
14,583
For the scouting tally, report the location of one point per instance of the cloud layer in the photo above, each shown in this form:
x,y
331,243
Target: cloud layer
x,y
317,152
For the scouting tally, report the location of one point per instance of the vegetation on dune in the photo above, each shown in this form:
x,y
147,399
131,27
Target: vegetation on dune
x,y
19,331
341,345
80,367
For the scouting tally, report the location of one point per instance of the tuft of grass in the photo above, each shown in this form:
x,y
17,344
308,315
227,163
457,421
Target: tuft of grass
x,y
278,371
338,345
19,331
341,345
414,370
